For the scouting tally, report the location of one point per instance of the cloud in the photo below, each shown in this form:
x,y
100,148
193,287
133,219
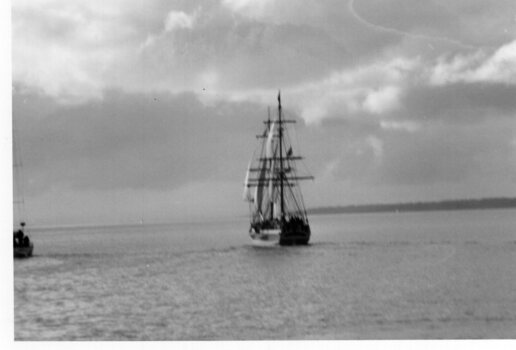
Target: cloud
x,y
73,51
86,47
164,146
404,86
178,19
385,99
398,92
405,125
436,156
446,154
67,49
175,20
298,12
83,50
458,103
390,30
376,145
130,141
126,97
453,24
250,8
500,67
375,88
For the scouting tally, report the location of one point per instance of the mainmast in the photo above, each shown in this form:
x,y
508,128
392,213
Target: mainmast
x,y
281,157
270,161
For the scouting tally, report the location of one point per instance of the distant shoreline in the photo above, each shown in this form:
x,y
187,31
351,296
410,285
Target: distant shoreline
x,y
455,204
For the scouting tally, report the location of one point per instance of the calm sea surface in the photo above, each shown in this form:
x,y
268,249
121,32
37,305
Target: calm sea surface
x,y
365,276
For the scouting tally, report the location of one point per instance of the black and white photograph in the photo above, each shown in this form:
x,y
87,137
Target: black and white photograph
x,y
259,170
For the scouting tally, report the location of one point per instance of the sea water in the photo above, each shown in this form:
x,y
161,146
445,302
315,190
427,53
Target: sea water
x,y
418,275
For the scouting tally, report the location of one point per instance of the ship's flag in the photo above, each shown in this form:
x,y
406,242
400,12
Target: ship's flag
x,y
279,98
289,152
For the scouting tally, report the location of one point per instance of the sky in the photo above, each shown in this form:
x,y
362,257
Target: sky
x,y
129,109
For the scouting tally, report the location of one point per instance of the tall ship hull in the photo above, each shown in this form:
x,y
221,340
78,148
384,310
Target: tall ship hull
x,y
289,233
278,214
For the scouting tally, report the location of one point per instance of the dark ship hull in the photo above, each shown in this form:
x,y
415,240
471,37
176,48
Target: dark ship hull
x,y
294,232
23,252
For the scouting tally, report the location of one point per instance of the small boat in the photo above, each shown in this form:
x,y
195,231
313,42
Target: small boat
x,y
22,245
278,214
24,252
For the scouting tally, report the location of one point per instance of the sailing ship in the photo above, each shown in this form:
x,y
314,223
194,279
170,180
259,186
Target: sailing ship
x,y
22,245
278,213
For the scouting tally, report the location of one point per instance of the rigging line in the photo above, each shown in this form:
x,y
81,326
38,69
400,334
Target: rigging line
x,y
18,174
302,200
302,206
293,196
299,150
377,27
261,164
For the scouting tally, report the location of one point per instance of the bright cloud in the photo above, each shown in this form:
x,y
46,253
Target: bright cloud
x,y
406,125
500,67
85,48
382,100
394,97
284,11
178,19
251,8
375,88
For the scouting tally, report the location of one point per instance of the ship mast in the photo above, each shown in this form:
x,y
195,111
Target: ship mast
x,y
281,158
275,174
270,161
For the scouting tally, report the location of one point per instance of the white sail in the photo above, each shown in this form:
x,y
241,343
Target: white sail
x,y
255,200
269,150
271,180
269,153
277,210
247,193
